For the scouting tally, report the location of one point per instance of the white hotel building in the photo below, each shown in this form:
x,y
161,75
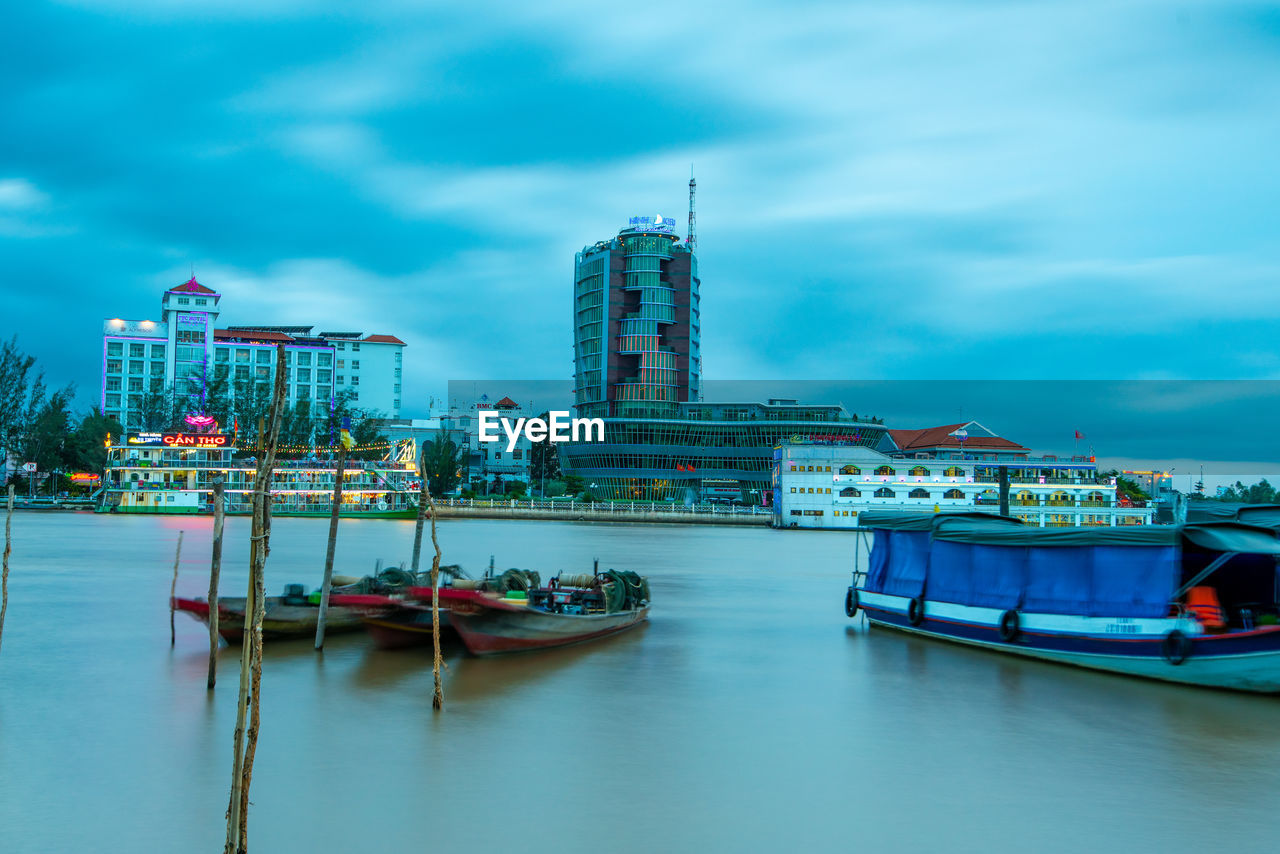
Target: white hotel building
x,y
827,485
186,346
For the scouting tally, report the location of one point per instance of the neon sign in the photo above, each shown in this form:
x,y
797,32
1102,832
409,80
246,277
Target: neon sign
x,y
653,223
195,440
201,423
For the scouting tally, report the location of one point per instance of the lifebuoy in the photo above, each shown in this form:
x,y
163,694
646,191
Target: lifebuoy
x,y
1176,647
382,505
1010,626
851,602
915,611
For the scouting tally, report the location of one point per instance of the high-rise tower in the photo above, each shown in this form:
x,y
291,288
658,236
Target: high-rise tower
x,y
636,323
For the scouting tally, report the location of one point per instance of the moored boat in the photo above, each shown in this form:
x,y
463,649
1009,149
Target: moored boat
x,y
397,625
570,609
1192,603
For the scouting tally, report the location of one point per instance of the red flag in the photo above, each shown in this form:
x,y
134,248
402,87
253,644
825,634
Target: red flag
x,y
679,467
690,468
1079,435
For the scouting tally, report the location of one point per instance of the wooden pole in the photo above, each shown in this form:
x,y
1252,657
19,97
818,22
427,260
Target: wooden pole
x,y
1004,490
173,588
333,544
215,569
422,515
4,574
248,705
437,699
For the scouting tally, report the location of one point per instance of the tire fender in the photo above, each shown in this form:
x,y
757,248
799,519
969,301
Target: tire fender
x,y
851,603
1010,626
915,611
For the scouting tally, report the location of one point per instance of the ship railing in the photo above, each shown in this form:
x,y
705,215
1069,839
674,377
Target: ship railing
x,y
619,507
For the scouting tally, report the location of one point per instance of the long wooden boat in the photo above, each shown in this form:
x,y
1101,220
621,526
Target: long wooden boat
x,y
1194,604
401,624
583,608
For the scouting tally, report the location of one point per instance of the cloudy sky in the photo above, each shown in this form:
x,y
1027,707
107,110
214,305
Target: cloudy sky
x,y
1067,190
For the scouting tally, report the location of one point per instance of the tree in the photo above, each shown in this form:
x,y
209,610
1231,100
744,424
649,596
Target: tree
x,y
441,462
516,488
16,381
574,484
86,447
544,457
1261,492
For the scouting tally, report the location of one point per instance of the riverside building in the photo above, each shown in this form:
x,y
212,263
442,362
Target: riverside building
x,y
185,349
828,483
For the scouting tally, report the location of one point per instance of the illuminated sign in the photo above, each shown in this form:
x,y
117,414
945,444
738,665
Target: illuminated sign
x,y
657,222
145,439
202,423
85,477
193,320
195,440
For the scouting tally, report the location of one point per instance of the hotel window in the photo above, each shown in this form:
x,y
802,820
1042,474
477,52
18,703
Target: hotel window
x,y
850,492
884,492
323,391
113,400
397,372
342,363
324,360
135,402
355,364
222,354
201,301
397,403
341,379
242,372
242,357
355,345
157,351
919,471
157,369
397,388
184,301
341,346
304,358
324,376
850,470
304,392
918,493
113,366
135,367
113,384
953,493
885,470
264,357
135,383
355,395
954,471
793,489
355,381
398,354
115,348
304,375
262,372
137,350
157,384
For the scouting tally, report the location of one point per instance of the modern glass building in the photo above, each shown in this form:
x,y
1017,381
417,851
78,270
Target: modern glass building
x,y
636,323
707,451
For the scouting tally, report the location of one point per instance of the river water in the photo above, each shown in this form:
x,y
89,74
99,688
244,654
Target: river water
x,y
748,715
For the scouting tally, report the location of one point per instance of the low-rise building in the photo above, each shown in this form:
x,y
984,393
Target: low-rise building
x,y
827,484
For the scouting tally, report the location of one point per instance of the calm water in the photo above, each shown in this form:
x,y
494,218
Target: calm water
x,y
748,715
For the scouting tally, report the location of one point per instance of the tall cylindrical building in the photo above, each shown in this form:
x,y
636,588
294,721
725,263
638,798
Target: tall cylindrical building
x,y
636,323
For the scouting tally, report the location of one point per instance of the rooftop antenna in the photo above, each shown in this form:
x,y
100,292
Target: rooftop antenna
x,y
691,240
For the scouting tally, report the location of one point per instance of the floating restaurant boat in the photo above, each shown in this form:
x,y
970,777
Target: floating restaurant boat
x,y
1193,603
569,610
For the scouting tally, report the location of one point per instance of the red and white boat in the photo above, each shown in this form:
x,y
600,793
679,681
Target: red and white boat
x,y
569,610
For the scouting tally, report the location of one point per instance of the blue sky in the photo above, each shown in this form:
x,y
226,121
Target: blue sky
x,y
1067,190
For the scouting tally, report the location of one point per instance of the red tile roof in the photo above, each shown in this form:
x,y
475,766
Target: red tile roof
x,y
250,334
934,437
507,402
191,286
383,339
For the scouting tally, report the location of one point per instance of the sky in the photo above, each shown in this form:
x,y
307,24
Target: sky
x,y
909,190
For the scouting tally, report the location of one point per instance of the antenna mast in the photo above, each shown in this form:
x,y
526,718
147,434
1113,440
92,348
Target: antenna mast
x,y
691,240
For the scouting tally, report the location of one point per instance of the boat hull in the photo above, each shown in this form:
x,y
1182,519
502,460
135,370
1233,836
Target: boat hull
x,y
279,620
1240,661
403,627
492,630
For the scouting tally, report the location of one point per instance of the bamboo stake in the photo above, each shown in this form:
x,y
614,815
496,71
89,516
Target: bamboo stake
x,y
338,477
422,513
215,569
249,705
4,575
437,699
173,588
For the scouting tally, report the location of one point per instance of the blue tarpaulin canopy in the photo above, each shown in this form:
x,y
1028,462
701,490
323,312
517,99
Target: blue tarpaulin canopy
x,y
998,563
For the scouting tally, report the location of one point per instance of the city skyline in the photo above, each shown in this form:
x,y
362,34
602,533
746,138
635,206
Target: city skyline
x,y
1097,209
